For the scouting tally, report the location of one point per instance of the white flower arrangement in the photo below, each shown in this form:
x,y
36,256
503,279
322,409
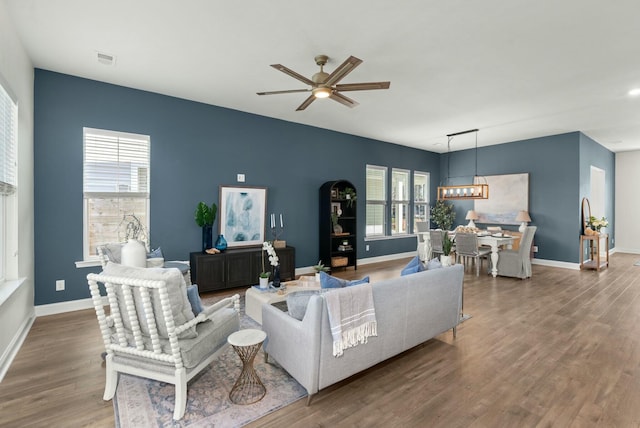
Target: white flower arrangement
x,y
273,258
597,224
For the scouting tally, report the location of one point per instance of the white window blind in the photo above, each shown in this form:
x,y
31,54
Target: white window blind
x,y
8,138
376,200
115,182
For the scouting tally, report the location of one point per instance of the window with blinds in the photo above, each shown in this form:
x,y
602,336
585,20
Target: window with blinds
x,y
376,193
116,171
420,198
399,201
8,163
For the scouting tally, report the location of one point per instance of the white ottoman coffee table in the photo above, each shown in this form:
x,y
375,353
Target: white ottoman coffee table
x,y
255,298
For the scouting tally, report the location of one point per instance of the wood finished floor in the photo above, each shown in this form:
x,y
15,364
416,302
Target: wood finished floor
x,y
559,350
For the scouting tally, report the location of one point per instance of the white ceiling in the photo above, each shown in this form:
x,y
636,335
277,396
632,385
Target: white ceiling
x,y
514,69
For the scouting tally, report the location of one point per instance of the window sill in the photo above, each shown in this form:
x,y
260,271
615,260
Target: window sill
x,y
8,287
388,237
88,263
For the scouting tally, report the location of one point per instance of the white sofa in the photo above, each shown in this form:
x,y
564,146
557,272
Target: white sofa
x,y
409,310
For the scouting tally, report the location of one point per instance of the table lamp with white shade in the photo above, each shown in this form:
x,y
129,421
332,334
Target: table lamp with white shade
x,y
523,217
471,215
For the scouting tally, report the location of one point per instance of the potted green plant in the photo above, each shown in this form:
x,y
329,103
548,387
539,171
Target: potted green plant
x,y
320,267
443,215
350,195
447,245
205,216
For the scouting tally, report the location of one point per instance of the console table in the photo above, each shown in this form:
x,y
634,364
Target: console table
x,y
595,261
237,267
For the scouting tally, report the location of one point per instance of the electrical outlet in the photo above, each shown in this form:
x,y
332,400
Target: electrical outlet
x,y
60,285
535,248
366,247
240,178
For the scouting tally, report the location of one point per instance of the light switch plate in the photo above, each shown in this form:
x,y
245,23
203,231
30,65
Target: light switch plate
x,y
240,178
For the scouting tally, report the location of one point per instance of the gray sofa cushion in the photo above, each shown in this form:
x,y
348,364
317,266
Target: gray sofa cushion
x,y
297,302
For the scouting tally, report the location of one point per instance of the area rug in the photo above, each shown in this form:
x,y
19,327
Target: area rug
x,y
145,403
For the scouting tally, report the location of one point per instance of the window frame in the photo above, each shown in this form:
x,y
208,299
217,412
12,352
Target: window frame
x,y
122,191
376,202
418,203
397,202
8,174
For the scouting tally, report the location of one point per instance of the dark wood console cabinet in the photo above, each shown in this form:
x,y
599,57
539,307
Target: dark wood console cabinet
x,y
237,267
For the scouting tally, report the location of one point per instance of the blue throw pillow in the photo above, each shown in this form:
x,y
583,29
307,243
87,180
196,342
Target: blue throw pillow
x,y
194,299
328,281
414,266
155,253
434,264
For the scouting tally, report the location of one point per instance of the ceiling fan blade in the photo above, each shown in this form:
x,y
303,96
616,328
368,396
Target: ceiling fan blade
x,y
289,91
363,86
306,103
292,73
337,96
344,69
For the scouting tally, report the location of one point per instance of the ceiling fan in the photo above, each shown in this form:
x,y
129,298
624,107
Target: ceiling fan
x,y
324,85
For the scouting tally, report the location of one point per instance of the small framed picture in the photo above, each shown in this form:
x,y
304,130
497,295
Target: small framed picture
x,y
334,193
336,208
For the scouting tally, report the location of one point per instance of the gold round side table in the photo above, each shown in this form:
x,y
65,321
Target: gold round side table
x,y
248,388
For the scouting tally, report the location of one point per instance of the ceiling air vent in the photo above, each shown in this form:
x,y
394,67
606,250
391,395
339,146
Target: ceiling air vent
x,y
106,59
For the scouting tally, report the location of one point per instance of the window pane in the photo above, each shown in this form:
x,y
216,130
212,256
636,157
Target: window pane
x,y
420,197
400,185
399,213
116,183
375,219
376,183
104,216
420,187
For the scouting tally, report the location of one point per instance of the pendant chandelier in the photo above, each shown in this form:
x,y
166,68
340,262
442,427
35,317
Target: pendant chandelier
x,y
478,189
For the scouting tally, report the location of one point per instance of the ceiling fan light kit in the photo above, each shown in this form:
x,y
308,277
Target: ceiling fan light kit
x,y
324,85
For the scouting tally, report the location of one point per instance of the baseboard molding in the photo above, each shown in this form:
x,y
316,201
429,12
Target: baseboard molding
x,y
16,343
387,258
555,263
625,250
59,308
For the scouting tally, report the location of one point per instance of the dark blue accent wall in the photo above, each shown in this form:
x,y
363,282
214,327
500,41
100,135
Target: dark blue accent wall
x,y
559,171
195,148
593,154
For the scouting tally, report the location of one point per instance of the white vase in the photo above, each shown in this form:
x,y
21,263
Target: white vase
x,y
134,253
445,260
318,276
264,283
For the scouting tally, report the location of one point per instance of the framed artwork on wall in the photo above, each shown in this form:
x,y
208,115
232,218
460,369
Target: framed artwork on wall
x,y
242,215
508,195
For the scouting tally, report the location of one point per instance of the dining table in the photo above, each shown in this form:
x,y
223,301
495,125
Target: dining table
x,y
495,241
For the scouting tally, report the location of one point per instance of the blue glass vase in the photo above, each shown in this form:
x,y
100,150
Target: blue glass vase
x,y
221,243
207,238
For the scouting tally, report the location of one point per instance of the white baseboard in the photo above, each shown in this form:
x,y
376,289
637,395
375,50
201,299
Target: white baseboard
x,y
555,263
386,258
16,343
59,308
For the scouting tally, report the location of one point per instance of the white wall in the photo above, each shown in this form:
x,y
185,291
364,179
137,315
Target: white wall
x,y
16,297
627,202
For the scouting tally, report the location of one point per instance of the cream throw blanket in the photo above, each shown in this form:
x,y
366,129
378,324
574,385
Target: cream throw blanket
x,y
352,316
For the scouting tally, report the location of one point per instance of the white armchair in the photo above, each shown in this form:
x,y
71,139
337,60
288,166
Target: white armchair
x,y
151,331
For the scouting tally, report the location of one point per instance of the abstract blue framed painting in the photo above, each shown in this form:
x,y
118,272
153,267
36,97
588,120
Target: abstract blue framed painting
x,y
242,215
